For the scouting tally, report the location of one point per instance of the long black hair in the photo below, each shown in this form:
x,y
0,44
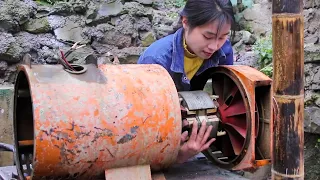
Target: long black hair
x,y
200,12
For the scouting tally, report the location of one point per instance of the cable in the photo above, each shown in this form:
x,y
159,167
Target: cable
x,y
6,147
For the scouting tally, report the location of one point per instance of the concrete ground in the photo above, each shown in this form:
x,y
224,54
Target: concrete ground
x,y
200,170
195,169
192,170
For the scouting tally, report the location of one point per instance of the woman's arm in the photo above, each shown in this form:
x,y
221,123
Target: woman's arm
x,y
228,51
147,60
229,57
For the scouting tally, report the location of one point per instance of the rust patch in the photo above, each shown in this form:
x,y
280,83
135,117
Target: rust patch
x,y
159,139
126,138
101,133
134,129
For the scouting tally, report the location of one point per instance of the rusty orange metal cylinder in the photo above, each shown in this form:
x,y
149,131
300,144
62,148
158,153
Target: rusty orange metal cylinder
x,y
110,116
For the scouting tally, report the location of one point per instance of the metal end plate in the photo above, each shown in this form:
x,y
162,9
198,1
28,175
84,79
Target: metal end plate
x,y
196,100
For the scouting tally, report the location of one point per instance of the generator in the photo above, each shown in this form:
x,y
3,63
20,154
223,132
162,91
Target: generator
x,y
107,121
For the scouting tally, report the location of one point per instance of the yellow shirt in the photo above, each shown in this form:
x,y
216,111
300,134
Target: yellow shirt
x,y
192,62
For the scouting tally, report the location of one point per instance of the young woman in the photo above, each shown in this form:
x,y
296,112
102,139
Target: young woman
x,y
201,43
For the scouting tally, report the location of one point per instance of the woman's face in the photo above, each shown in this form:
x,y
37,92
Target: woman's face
x,y
203,40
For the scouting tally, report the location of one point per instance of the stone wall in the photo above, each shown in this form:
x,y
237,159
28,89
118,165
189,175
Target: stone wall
x,y
105,27
312,65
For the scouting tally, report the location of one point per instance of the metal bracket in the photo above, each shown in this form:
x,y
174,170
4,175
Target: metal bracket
x,y
27,60
199,106
6,147
79,69
92,59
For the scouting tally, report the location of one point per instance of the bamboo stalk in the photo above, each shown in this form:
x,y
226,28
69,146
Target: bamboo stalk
x,y
288,87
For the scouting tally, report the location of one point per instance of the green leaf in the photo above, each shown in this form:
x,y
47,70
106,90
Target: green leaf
x,y
263,48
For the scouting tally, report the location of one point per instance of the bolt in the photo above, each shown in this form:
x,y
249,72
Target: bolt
x,y
221,133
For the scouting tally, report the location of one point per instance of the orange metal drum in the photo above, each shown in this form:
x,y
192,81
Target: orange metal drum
x,y
110,116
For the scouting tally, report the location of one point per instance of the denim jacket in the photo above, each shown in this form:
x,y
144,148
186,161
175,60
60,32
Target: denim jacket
x,y
169,53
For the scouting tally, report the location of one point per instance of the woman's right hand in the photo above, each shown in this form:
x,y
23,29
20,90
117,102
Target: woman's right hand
x,y
197,142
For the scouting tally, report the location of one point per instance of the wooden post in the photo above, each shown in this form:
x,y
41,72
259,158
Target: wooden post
x,y
288,87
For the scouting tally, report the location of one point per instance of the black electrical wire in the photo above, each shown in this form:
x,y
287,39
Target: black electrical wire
x,y
6,147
